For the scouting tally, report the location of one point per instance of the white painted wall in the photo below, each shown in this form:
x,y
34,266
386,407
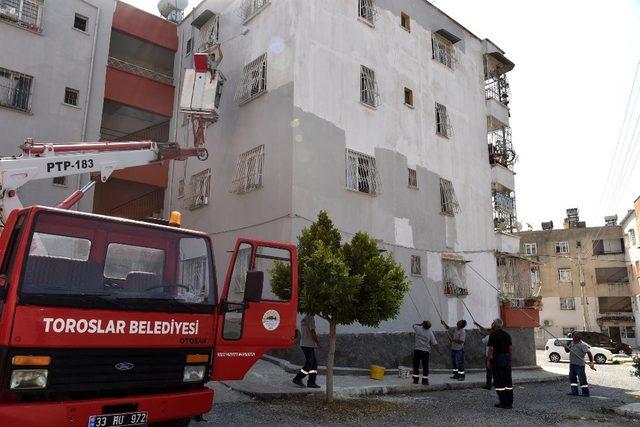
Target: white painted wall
x,y
59,57
630,222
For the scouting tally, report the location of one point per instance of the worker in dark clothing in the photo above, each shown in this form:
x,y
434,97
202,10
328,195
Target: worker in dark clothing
x,y
457,348
486,332
499,361
578,351
424,341
308,343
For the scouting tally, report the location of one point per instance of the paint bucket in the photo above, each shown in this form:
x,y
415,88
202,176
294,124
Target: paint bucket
x,y
377,372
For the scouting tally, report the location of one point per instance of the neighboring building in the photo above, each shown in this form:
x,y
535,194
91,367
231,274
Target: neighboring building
x,y
631,230
379,112
52,60
583,278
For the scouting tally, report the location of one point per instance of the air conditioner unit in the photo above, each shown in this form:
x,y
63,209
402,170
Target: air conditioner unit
x,y
547,322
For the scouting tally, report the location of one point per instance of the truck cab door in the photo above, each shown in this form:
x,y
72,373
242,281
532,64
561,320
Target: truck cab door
x,y
258,306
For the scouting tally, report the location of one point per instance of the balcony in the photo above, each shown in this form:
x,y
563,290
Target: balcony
x,y
504,211
24,14
139,92
497,87
500,147
520,317
140,71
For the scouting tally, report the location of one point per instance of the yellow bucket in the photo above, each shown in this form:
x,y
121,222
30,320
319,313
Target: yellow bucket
x,y
377,372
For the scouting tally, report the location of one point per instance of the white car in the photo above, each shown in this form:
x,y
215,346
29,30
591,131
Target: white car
x,y
555,351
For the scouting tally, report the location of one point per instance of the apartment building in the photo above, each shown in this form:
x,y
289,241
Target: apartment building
x,y
583,280
390,115
631,230
52,60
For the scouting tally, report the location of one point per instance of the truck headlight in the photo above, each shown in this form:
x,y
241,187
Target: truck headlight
x,y
193,373
28,379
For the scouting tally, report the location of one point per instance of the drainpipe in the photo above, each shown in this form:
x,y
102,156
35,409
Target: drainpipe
x,y
89,85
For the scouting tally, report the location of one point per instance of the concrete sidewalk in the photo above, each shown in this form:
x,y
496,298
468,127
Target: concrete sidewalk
x,y
269,381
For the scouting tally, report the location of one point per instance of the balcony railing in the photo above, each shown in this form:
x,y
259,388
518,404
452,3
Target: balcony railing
x,y
455,290
140,71
501,150
504,211
27,14
157,133
497,87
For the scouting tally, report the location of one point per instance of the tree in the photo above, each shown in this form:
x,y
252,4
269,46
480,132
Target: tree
x,y
343,284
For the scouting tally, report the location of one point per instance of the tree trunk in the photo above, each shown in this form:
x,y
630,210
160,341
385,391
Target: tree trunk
x,y
330,357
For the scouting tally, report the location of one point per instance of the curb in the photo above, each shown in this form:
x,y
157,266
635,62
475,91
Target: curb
x,y
379,390
631,410
357,372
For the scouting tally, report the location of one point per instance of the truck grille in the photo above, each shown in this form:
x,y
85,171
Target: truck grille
x,y
74,370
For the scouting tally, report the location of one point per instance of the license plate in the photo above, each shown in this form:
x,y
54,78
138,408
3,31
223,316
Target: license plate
x,y
119,420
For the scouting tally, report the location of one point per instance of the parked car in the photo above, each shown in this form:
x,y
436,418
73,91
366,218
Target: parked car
x,y
555,351
599,339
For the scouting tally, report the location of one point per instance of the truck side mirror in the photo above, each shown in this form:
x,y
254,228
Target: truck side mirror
x,y
253,286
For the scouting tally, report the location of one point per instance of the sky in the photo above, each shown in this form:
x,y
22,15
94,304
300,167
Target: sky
x,y
575,66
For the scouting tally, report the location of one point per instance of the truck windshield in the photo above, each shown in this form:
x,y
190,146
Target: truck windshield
x,y
97,262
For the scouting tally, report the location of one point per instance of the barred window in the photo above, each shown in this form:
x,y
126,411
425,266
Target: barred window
x,y
15,90
416,265
80,22
71,96
413,178
366,10
567,331
564,275
454,277
208,34
443,50
369,94
27,13
200,187
248,174
189,48
251,8
180,189
567,303
448,201
254,80
443,124
362,175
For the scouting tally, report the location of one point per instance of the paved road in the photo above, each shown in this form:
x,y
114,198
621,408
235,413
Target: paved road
x,y
536,404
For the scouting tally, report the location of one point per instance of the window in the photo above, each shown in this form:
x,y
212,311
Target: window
x,y
61,181
628,332
209,33
71,96
57,246
612,276
448,201
248,175
405,21
124,259
361,173
578,244
443,50
189,48
615,304
408,97
27,13
454,277
535,275
632,237
366,10
443,125
564,274
413,178
15,90
562,247
530,249
251,8
369,94
567,303
608,246
254,80
416,267
199,186
566,332
80,22
180,189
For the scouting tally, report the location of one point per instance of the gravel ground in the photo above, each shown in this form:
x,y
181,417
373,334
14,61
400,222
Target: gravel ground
x,y
535,404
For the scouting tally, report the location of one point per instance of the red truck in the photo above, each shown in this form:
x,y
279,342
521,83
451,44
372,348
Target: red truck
x,y
111,322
